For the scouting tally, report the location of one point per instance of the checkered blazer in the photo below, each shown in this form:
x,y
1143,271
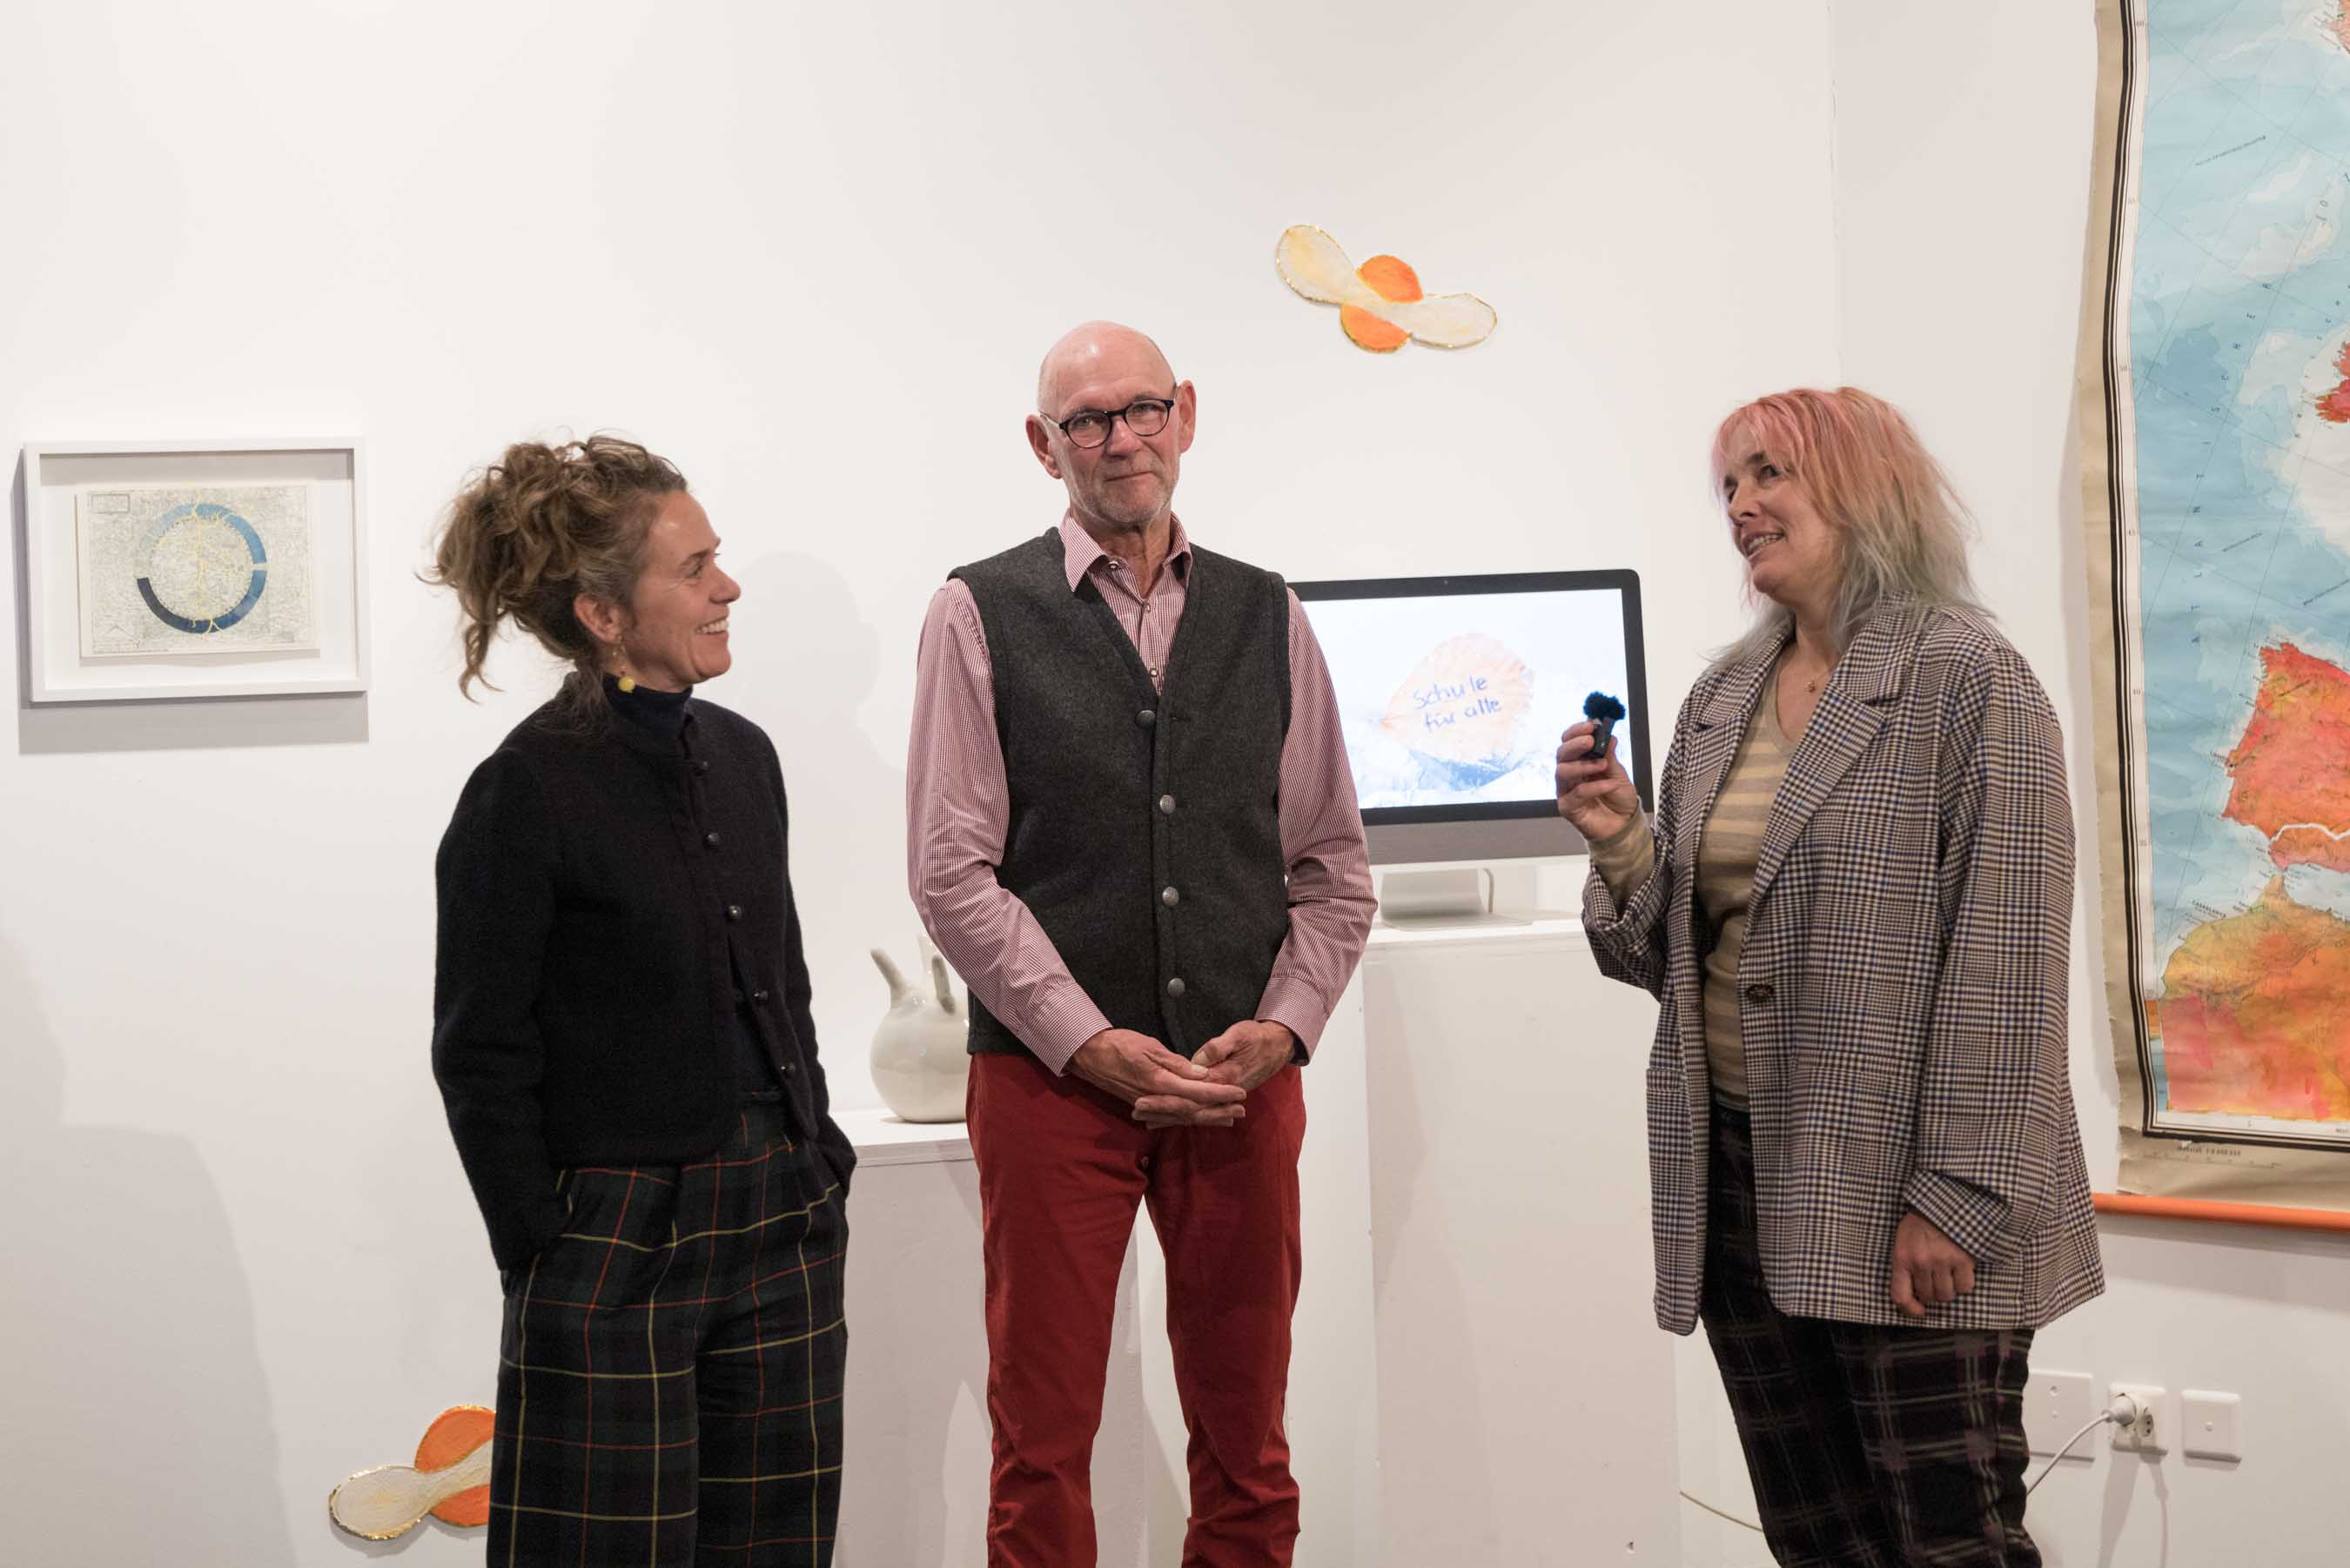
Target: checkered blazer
x,y
1902,987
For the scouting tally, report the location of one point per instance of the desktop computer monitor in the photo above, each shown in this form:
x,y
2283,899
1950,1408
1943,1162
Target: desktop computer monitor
x,y
1452,692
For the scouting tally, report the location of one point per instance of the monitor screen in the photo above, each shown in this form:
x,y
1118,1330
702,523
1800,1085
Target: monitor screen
x,y
1452,692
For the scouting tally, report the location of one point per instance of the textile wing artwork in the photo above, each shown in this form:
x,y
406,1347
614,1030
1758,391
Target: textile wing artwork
x,y
1381,305
2216,455
181,570
448,1481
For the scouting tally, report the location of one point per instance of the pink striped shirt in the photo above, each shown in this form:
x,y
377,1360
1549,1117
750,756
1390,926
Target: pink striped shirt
x,y
959,810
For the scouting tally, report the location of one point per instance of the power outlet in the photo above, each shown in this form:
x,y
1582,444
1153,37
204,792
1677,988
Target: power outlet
x,y
2057,1406
2158,1419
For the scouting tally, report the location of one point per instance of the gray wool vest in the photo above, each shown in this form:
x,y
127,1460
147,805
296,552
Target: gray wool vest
x,y
1145,834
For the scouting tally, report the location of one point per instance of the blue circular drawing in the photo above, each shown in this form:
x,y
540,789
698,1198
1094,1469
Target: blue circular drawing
x,y
223,566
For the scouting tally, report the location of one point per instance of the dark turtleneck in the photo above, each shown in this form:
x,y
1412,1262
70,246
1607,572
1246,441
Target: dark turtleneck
x,y
662,712
667,715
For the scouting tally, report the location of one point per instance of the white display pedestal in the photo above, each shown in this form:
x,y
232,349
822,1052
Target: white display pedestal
x,y
1526,1397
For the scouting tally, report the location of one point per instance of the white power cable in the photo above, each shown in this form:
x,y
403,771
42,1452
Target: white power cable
x,y
2122,1412
1742,1523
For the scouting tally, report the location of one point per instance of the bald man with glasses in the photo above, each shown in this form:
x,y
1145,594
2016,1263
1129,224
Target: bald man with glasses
x,y
1132,830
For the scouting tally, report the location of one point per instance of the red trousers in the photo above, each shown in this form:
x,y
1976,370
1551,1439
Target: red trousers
x,y
1062,1167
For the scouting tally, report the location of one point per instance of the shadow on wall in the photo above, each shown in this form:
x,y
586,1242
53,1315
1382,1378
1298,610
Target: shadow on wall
x,y
806,668
139,1414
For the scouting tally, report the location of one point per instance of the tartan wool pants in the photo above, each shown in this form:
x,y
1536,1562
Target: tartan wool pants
x,y
671,1366
1062,1169
1869,1445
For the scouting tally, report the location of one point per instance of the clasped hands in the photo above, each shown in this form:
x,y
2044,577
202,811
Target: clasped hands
x,y
1209,1090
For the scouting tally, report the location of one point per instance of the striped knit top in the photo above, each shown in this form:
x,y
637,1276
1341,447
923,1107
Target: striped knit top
x,y
1726,856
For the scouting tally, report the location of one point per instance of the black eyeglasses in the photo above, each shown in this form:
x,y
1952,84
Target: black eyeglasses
x,y
1091,427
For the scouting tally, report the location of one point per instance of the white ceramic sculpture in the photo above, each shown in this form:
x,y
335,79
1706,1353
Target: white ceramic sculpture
x,y
921,1059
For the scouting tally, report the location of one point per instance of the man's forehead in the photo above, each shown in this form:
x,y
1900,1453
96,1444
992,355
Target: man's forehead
x,y
1101,360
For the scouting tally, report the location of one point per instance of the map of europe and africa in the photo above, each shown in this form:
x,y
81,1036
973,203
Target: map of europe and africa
x,y
2238,339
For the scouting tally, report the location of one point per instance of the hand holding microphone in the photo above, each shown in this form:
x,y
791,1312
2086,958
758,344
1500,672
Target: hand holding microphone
x,y
1594,793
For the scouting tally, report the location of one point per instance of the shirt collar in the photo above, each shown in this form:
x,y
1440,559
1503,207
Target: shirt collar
x,y
1080,554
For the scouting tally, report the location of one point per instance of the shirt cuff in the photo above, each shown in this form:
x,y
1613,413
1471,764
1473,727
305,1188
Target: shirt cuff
x,y
1063,1025
1297,1008
1624,858
1965,1213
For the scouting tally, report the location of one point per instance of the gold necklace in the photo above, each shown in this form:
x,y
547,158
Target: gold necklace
x,y
1811,687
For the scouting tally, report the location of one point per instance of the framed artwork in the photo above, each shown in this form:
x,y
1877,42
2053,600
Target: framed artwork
x,y
194,569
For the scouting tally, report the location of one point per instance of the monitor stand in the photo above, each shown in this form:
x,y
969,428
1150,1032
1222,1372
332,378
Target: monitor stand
x,y
1431,900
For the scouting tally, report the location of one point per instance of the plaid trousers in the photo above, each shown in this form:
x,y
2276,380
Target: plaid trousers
x,y
1869,1446
670,1371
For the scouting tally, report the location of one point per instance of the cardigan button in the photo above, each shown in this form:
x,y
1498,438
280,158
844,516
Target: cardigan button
x,y
1166,805
733,911
1761,994
710,840
702,764
1175,987
1169,897
759,998
1147,717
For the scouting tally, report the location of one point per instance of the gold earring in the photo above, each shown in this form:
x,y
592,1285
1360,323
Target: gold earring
x,y
620,666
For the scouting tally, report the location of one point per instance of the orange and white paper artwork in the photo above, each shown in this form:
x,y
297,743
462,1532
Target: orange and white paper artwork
x,y
450,1480
1381,305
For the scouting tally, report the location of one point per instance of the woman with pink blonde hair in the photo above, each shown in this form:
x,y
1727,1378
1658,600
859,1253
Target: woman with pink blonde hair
x,y
1854,907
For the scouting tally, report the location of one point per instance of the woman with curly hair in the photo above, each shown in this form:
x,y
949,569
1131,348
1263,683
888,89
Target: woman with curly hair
x,y
623,1042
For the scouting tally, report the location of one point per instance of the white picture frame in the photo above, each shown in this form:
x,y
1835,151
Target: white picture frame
x,y
319,484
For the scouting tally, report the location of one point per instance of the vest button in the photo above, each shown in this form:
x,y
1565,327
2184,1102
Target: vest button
x,y
1147,717
1166,805
1175,987
1760,994
1169,897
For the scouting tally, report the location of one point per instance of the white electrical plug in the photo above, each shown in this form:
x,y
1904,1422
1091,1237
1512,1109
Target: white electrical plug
x,y
2143,1418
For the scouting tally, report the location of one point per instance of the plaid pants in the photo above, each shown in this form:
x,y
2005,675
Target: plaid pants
x,y
1870,1447
669,1376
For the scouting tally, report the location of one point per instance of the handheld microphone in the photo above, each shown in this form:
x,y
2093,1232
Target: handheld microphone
x,y
1605,710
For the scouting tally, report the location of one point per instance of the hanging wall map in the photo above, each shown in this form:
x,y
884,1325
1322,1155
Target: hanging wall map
x,y
175,570
2216,449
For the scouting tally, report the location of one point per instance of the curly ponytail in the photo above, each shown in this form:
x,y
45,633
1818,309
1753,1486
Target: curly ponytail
x,y
536,529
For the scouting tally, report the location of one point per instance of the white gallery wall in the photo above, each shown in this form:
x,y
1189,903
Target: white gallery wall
x,y
813,254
